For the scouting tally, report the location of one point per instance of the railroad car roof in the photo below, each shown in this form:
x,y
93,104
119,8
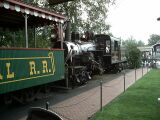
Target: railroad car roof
x,y
145,48
12,15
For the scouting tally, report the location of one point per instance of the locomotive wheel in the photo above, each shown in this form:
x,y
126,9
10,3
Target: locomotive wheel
x,y
24,96
100,66
115,68
18,97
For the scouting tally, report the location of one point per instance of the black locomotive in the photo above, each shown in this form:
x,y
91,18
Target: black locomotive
x,y
93,54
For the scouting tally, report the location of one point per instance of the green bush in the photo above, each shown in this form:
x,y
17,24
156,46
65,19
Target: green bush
x,y
133,57
133,54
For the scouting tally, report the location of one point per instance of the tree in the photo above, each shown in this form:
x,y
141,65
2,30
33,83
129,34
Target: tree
x,y
96,11
153,39
86,14
140,43
133,54
5,38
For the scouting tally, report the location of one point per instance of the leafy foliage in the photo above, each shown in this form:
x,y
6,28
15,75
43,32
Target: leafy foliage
x,y
12,39
133,54
43,37
86,14
153,39
6,39
140,43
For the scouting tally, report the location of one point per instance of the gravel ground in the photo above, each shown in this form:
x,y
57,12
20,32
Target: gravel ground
x,y
79,103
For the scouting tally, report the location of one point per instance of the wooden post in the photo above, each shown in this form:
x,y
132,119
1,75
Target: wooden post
x,y
26,29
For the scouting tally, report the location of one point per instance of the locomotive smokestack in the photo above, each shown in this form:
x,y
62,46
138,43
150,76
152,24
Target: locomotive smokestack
x,y
68,31
75,36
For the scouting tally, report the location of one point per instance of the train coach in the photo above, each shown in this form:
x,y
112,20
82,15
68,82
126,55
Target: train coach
x,y
21,69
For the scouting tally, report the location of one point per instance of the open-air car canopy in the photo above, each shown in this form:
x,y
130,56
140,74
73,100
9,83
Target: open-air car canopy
x,y
14,12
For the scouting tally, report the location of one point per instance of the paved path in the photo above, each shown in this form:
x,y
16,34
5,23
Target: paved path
x,y
85,104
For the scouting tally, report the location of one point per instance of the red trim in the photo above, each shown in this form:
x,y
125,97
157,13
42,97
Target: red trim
x,y
51,49
20,3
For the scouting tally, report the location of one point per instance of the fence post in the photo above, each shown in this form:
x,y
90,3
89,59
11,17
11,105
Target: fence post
x,y
101,95
124,75
135,74
142,70
47,105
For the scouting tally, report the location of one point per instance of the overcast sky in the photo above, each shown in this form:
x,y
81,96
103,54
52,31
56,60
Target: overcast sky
x,y
137,18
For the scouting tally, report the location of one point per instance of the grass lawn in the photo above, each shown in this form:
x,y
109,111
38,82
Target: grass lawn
x,y
139,102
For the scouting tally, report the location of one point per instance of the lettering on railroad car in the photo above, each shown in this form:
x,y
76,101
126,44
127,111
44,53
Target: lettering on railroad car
x,y
9,74
32,67
45,68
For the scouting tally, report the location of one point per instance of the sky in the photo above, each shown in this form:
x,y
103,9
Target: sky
x,y
136,18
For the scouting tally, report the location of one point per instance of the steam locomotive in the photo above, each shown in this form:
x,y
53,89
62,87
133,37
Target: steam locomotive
x,y
93,54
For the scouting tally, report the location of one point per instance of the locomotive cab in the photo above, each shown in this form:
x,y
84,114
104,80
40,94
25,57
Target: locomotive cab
x,y
108,52
103,43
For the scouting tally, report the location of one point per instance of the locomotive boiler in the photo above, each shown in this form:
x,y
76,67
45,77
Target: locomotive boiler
x,y
78,61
